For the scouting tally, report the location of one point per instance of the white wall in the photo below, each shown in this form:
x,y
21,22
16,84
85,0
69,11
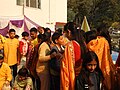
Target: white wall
x,y
51,11
9,9
61,11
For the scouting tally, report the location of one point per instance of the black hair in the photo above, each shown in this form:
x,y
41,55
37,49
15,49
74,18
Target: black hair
x,y
7,36
48,32
16,36
55,36
90,35
90,56
72,27
40,36
25,34
59,30
33,30
47,29
23,72
11,30
103,31
44,37
76,35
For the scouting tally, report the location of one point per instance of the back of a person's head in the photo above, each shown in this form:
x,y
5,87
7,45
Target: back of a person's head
x,y
55,36
40,36
44,37
59,30
11,30
33,30
70,26
102,29
102,26
23,72
104,33
90,35
47,36
17,36
47,29
25,34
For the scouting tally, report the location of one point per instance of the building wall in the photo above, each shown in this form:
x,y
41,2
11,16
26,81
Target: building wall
x,y
51,11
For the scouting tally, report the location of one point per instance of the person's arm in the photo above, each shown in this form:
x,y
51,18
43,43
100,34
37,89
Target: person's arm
x,y
8,76
15,85
21,47
8,73
29,85
6,51
43,50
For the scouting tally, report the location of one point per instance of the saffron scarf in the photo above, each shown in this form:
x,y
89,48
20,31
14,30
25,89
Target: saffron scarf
x,y
68,66
101,47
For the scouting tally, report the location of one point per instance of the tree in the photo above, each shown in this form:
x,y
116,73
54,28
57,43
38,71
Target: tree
x,y
96,11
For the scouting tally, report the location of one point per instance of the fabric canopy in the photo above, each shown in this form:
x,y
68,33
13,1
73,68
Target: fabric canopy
x,y
21,25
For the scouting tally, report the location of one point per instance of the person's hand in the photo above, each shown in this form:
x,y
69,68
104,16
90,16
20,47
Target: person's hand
x,y
18,62
59,56
7,83
28,87
53,55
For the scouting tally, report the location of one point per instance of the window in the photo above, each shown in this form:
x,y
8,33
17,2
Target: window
x,y
20,2
30,3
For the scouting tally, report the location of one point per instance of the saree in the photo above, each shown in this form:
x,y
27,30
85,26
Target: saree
x,y
68,65
101,47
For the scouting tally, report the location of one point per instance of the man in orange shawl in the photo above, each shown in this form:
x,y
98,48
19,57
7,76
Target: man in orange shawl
x,y
101,47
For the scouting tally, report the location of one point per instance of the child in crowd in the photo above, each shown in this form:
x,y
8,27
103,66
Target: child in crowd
x,y
5,74
58,41
90,75
23,81
23,47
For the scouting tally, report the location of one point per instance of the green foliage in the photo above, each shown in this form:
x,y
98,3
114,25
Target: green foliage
x,y
96,11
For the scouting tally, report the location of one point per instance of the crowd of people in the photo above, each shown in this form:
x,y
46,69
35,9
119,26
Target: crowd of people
x,y
68,59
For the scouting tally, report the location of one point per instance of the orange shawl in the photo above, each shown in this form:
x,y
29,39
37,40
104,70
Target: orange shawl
x,y
67,68
101,47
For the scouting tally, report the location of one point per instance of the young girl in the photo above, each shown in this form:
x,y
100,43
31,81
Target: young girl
x,y
90,75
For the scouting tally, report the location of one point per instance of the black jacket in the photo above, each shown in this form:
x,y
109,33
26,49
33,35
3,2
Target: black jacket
x,y
83,82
